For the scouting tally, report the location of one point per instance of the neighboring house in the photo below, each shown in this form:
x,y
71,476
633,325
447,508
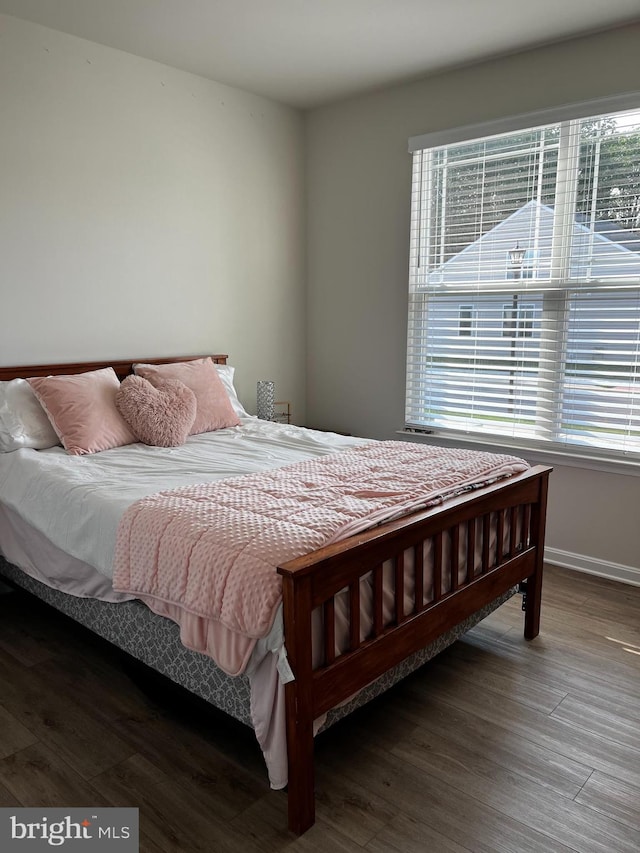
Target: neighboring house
x,y
487,308
604,251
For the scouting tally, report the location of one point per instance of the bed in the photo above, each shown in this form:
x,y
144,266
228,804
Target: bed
x,y
356,614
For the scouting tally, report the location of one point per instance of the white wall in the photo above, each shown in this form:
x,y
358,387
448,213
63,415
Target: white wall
x,y
146,211
358,176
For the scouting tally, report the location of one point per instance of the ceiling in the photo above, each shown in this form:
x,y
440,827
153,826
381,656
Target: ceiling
x,y
309,52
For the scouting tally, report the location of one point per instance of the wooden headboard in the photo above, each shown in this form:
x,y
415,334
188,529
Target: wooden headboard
x,y
122,368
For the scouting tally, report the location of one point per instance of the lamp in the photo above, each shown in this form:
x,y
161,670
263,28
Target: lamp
x,y
265,399
516,257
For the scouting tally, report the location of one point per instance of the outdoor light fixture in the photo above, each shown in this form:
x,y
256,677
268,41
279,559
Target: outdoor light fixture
x,y
516,256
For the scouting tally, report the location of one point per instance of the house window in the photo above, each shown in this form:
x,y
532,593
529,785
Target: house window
x,y
465,320
517,319
528,244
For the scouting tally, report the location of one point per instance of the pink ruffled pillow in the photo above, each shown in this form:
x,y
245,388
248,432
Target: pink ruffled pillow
x,y
160,414
214,407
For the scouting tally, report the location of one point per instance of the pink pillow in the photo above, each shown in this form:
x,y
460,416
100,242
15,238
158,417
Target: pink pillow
x,y
82,410
160,415
214,409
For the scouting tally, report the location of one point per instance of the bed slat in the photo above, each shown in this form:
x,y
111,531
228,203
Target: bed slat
x,y
471,548
500,538
329,608
486,540
513,530
378,620
418,563
455,556
354,615
437,567
399,588
525,535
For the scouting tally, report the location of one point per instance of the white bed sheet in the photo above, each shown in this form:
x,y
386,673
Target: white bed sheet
x,y
77,501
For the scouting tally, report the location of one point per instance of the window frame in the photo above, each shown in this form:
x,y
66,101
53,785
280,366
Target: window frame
x,y
467,318
555,300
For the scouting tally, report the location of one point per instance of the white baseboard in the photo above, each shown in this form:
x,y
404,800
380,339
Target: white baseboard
x,y
602,568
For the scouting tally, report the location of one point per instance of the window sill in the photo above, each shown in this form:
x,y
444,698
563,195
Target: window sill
x,y
535,455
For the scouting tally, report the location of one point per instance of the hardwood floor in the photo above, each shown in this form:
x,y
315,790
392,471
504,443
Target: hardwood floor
x,y
497,746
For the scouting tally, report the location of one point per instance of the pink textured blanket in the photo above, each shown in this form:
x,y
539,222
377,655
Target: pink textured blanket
x,y
206,555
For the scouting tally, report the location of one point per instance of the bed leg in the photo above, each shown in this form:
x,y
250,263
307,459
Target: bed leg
x,y
533,597
296,597
300,791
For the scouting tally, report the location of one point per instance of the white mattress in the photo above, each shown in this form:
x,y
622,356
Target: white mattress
x,y
77,501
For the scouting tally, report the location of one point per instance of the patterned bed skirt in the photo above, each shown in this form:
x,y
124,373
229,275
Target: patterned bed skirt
x,y
155,641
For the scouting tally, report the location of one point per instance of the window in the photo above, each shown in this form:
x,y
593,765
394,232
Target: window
x,y
517,319
524,288
466,315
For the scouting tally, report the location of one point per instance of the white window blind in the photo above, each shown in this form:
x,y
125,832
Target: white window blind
x,y
524,288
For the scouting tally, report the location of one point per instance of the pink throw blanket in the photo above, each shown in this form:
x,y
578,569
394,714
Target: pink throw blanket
x,y
206,555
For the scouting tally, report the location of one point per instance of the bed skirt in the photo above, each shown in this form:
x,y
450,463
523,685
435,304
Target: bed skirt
x,y
155,641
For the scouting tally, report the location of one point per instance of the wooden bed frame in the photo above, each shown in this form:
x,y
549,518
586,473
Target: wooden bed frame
x,y
515,509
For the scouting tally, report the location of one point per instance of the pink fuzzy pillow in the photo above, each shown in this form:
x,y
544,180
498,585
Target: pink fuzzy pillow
x,y
160,414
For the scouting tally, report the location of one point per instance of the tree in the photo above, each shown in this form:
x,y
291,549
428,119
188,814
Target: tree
x,y
617,181
476,185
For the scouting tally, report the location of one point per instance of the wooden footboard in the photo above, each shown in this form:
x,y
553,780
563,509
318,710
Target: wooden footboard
x,y
478,546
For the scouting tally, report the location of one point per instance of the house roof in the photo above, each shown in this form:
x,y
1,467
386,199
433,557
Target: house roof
x,y
606,251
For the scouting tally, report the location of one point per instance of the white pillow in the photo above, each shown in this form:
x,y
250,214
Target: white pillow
x,y
23,421
225,372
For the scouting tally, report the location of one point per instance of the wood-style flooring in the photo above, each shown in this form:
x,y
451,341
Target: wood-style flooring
x,y
497,746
